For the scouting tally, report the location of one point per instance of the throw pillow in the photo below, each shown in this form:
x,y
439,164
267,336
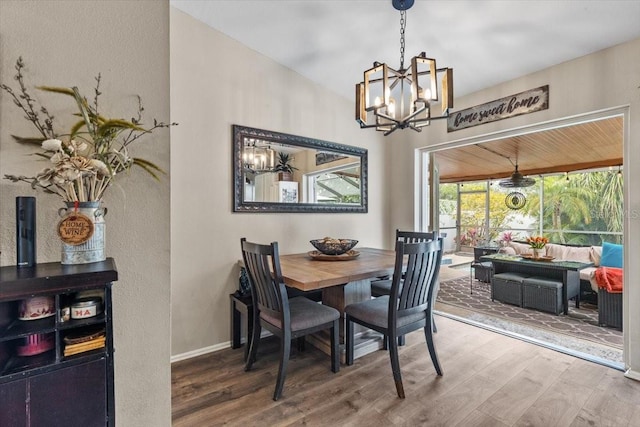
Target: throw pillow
x,y
507,250
611,255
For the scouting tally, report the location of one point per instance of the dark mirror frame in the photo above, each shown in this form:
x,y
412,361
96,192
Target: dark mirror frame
x,y
239,205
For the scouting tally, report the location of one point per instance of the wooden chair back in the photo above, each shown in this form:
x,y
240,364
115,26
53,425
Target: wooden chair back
x,y
415,236
267,287
421,263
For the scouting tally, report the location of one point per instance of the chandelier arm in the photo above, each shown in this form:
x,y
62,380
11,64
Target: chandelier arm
x,y
409,118
393,119
393,129
398,74
394,84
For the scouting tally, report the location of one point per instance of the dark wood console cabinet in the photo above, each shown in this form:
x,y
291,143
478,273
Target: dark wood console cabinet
x,y
51,388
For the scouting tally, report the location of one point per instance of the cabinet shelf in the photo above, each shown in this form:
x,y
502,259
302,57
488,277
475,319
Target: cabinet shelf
x,y
79,323
81,386
21,366
22,328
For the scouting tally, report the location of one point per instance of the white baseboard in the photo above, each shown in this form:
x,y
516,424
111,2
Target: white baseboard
x,y
634,375
210,349
200,351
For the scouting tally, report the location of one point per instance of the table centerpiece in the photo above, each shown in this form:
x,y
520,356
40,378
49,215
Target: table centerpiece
x,y
537,243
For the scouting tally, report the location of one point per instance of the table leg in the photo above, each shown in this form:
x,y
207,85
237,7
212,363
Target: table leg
x,y
238,307
339,297
234,323
571,279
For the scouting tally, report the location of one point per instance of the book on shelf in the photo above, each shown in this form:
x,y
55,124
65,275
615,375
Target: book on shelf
x,y
71,349
84,340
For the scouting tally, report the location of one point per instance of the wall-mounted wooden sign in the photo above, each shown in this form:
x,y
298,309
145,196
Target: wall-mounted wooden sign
x,y
503,108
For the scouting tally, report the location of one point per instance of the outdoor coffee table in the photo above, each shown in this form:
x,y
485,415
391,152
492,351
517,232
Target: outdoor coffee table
x,y
566,271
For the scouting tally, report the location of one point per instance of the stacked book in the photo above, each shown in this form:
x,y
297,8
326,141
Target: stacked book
x,y
84,341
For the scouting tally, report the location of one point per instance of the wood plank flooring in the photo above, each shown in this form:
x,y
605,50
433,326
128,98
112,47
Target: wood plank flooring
x,y
489,380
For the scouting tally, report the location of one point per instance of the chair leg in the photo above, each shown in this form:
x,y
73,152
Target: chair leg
x,y
349,340
385,342
250,326
433,324
253,347
401,340
335,348
395,364
431,346
285,351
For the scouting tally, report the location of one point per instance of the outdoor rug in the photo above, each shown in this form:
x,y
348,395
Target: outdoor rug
x,y
578,330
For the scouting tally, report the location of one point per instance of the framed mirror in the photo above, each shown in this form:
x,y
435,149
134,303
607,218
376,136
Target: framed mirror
x,y
278,172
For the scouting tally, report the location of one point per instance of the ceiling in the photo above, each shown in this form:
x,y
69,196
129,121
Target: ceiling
x,y
332,42
590,145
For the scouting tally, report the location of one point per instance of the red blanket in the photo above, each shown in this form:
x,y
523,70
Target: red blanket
x,y
609,279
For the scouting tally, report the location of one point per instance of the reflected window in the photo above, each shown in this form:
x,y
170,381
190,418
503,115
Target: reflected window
x,y
335,185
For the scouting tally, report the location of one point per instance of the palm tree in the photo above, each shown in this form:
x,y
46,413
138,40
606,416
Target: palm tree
x,y
565,206
606,198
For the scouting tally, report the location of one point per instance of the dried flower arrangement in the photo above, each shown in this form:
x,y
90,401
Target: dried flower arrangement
x,y
87,158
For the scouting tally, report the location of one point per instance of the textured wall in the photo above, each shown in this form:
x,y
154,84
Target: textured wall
x,y
215,83
66,43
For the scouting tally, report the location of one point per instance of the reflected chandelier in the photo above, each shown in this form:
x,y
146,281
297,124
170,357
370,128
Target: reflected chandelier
x,y
257,157
395,98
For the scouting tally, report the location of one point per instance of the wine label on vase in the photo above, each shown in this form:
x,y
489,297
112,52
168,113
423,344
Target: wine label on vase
x,y
75,228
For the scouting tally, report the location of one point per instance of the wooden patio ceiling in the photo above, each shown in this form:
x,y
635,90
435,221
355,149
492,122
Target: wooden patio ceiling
x,y
583,146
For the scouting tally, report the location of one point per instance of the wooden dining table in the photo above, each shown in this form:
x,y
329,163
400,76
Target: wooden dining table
x,y
342,282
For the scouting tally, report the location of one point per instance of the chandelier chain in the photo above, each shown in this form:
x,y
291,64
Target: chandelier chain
x,y
403,23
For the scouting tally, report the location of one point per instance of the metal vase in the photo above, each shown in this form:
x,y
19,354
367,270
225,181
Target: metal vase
x,y
93,249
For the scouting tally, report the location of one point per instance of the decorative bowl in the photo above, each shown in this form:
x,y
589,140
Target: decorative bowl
x,y
330,246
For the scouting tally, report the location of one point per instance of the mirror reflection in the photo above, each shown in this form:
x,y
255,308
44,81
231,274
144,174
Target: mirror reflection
x,y
288,173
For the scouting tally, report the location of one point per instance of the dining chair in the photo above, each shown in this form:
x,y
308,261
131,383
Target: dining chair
x,y
286,318
383,286
408,307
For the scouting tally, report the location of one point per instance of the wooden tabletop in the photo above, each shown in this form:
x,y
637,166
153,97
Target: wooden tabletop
x,y
303,272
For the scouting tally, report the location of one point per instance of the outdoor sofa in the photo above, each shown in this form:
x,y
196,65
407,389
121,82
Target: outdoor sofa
x,y
606,256
590,254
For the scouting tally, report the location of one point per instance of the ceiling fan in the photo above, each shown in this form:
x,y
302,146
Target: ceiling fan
x,y
517,180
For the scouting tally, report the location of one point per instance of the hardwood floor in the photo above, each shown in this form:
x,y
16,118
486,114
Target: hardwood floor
x,y
489,380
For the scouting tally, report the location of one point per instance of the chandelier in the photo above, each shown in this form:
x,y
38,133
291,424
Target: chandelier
x,y
389,99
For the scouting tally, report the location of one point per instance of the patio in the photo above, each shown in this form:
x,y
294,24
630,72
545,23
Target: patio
x,y
578,332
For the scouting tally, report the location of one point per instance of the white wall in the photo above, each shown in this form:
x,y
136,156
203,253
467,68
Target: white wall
x,y
605,80
217,82
66,43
